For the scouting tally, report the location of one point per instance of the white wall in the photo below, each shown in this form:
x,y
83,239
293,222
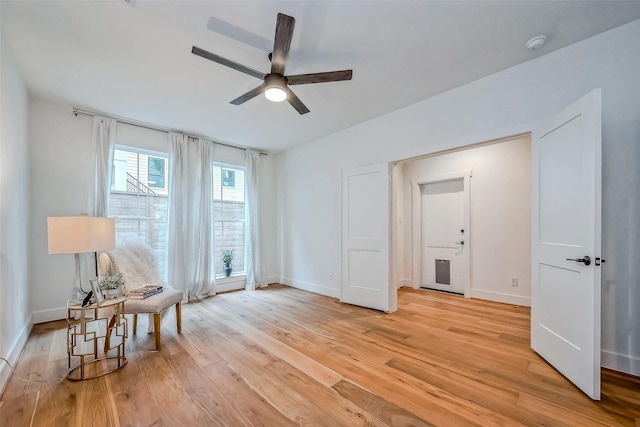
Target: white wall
x,y
268,219
61,161
500,210
15,309
506,103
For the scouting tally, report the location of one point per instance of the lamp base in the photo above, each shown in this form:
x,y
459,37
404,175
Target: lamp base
x,y
78,277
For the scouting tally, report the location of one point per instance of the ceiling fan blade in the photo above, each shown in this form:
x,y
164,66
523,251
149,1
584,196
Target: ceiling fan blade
x,y
330,76
249,95
296,103
224,61
282,42
240,34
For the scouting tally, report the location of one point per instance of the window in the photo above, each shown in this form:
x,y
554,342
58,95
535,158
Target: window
x,y
228,216
228,178
138,200
156,172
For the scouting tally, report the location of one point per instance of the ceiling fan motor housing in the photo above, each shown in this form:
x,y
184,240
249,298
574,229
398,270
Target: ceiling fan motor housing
x,y
273,79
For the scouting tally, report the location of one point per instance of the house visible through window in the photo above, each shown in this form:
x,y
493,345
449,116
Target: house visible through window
x,y
228,216
156,172
228,178
138,200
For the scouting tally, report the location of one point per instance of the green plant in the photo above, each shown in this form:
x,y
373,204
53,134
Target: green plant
x,y
111,282
227,257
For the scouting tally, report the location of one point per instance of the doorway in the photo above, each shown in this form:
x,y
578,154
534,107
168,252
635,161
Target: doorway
x,y
444,226
497,230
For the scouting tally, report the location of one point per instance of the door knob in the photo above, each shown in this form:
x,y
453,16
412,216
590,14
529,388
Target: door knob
x,y
586,260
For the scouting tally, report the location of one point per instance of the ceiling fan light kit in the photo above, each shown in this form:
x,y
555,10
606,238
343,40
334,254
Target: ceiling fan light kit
x,y
275,85
275,94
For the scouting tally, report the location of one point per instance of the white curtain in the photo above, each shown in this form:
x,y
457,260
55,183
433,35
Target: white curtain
x,y
190,223
252,224
103,143
104,139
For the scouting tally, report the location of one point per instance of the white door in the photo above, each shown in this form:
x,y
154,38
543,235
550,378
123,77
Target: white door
x,y
444,253
365,238
565,223
439,228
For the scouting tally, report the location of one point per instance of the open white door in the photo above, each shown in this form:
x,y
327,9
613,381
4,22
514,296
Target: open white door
x,y
365,238
565,225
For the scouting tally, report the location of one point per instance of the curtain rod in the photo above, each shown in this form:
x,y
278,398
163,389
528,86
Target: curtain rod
x,y
77,111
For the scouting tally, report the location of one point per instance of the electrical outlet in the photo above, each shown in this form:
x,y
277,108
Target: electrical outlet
x,y
514,281
330,276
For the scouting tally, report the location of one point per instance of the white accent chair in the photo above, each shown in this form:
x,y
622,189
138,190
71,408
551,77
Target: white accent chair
x,y
138,267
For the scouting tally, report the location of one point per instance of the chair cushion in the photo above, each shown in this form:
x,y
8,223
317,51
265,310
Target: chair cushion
x,y
153,304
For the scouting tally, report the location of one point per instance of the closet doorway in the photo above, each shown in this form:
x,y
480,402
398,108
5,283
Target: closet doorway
x,y
494,186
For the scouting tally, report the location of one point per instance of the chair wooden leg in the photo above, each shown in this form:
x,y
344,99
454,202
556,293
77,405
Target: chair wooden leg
x,y
156,330
135,323
179,317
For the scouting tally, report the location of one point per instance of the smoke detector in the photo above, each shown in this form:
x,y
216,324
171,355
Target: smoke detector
x,y
536,42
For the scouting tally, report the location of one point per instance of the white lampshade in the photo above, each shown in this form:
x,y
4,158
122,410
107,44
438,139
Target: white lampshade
x,y
79,234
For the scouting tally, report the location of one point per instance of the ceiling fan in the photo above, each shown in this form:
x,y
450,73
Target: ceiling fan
x,y
275,85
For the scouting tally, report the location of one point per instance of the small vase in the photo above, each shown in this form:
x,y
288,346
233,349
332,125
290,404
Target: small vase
x,y
226,271
112,293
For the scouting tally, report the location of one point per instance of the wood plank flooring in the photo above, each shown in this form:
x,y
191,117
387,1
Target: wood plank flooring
x,y
284,357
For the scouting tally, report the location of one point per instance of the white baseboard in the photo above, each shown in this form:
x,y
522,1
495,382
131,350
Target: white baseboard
x,y
272,280
499,297
14,354
311,287
405,283
49,315
620,362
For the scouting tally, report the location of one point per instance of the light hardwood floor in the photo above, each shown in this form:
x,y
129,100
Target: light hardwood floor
x,y
281,356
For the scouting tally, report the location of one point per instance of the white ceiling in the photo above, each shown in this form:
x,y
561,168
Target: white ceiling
x,y
136,62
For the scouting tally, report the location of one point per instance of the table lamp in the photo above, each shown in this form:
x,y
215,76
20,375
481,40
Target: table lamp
x,y
80,234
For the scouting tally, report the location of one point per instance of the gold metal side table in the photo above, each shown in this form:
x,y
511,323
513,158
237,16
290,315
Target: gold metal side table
x,y
96,339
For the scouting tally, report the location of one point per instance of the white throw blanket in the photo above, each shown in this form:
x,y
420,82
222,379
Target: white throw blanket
x,y
138,267
136,263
